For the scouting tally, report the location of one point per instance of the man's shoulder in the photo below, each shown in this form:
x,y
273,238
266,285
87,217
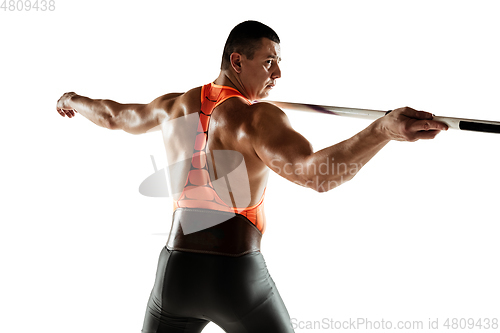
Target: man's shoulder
x,y
261,117
176,104
263,106
186,97
265,112
193,93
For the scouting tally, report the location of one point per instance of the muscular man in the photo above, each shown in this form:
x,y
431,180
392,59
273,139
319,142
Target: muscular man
x,y
220,146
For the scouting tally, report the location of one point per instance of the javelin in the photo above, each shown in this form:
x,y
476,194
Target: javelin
x,y
455,123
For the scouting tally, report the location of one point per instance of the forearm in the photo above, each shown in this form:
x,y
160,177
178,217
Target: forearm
x,y
334,165
95,110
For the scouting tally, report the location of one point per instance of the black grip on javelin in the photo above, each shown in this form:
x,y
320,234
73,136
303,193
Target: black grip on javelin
x,y
479,127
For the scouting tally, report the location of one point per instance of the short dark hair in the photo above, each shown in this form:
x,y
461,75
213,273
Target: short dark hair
x,y
245,39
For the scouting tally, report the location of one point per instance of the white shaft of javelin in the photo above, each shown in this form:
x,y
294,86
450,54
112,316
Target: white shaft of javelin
x,y
368,113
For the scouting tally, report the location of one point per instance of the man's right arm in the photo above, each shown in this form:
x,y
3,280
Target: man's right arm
x,y
290,155
132,118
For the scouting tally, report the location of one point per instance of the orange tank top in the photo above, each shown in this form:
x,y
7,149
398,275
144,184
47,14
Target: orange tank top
x,y
198,191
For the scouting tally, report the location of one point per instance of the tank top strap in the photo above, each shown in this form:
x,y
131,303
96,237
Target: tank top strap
x,y
212,95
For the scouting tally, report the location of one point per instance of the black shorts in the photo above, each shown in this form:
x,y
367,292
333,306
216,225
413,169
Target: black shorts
x,y
236,293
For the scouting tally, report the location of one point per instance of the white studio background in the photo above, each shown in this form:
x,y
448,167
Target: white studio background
x,y
414,236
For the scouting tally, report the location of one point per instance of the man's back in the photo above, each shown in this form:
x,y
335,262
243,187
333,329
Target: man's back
x,y
229,148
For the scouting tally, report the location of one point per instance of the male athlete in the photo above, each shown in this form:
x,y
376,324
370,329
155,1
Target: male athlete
x,y
220,146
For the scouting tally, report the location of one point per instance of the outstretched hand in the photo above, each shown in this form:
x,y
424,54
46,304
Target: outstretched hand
x,y
407,124
63,106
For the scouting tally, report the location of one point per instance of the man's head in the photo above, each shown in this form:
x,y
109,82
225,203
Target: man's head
x,y
251,58
245,39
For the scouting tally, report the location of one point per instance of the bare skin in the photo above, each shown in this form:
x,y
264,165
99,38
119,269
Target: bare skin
x,y
260,132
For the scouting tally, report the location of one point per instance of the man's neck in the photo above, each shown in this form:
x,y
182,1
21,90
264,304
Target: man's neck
x,y
228,79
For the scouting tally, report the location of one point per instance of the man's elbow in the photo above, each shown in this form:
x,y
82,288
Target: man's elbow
x,y
130,121
323,184
115,125
111,124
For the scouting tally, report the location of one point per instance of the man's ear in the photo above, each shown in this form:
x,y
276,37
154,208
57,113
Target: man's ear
x,y
236,62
